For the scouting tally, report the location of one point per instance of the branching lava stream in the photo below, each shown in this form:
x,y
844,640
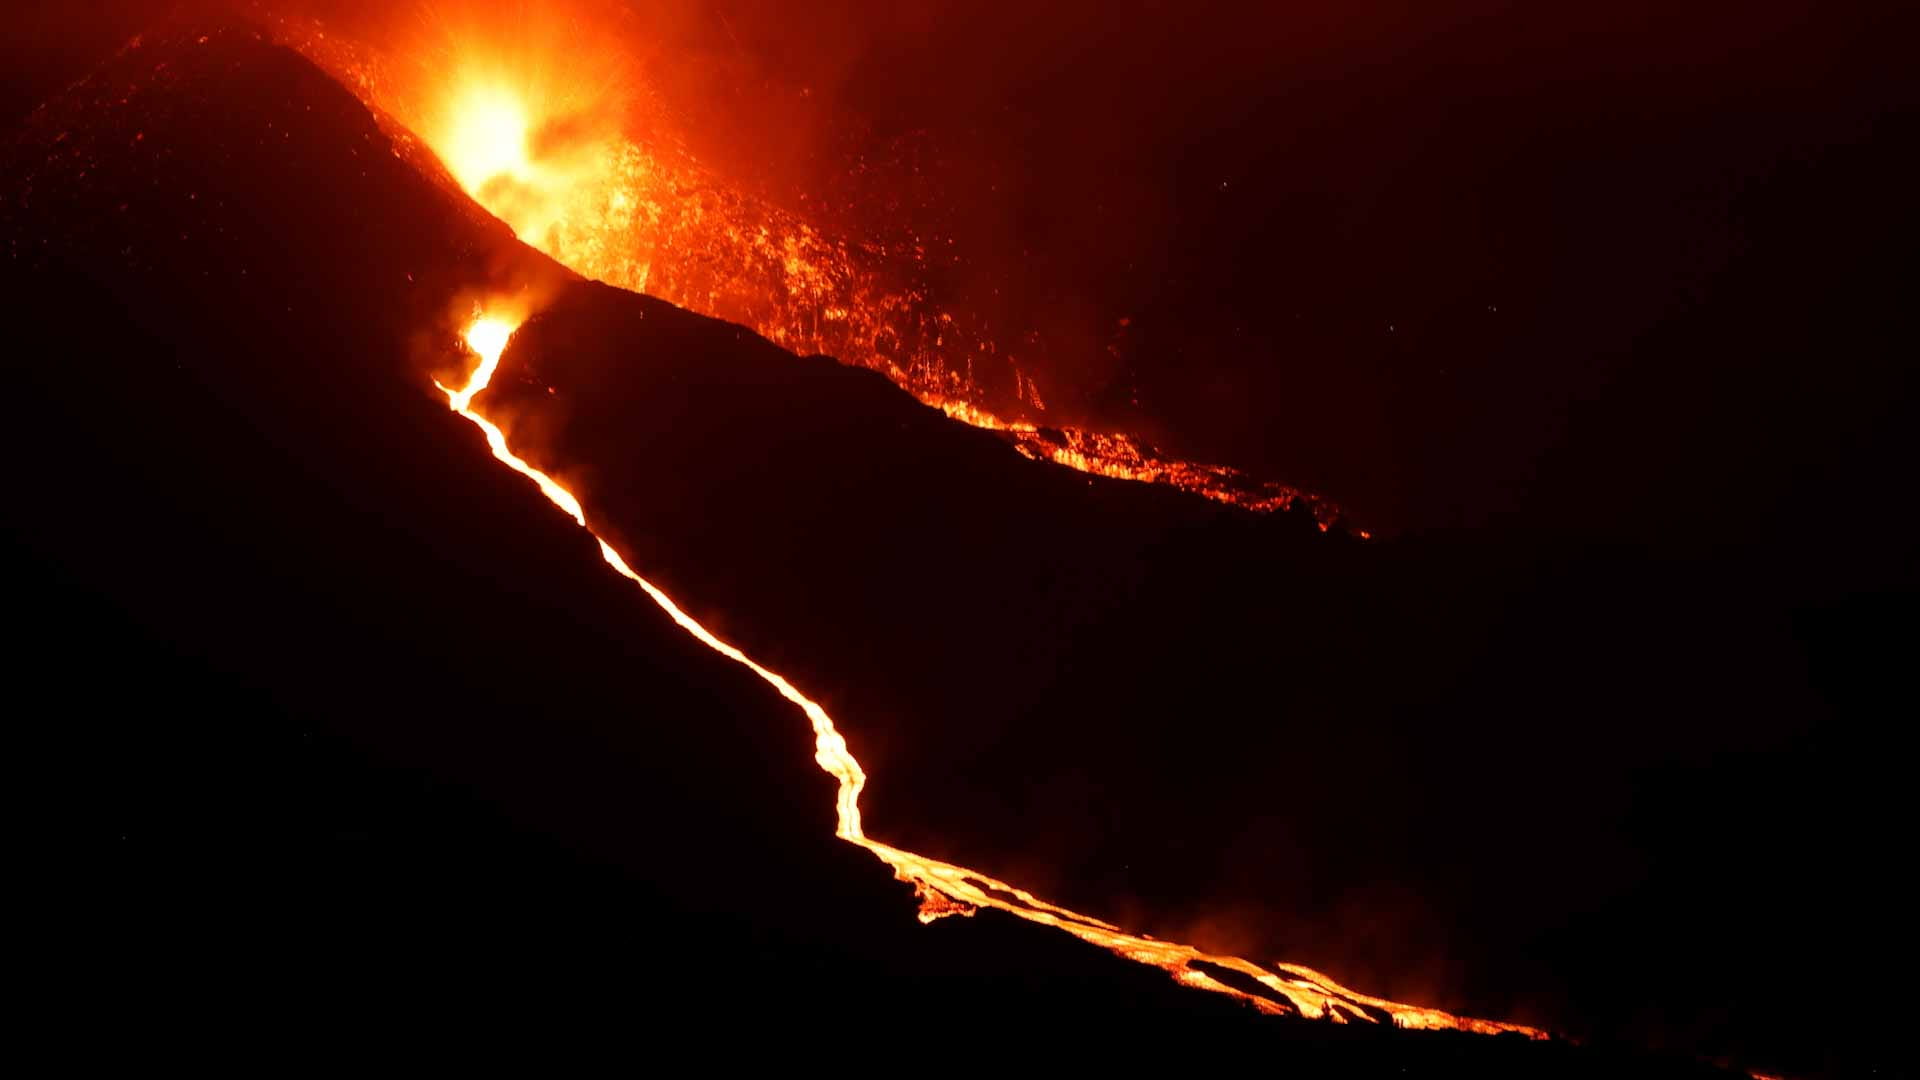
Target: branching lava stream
x,y
943,888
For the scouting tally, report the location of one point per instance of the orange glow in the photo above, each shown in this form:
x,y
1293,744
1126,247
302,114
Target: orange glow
x,y
943,888
487,337
529,121
487,139
536,170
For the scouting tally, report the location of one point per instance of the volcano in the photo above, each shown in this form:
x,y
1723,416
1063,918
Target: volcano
x,y
371,730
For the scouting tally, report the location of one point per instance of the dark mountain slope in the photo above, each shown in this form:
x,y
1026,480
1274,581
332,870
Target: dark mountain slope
x,y
245,493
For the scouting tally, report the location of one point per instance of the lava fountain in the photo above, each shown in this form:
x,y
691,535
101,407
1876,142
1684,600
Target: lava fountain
x,y
534,133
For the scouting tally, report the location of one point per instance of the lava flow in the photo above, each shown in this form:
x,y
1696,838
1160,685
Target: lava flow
x,y
943,888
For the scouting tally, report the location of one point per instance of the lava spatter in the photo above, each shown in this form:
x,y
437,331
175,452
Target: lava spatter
x,y
532,141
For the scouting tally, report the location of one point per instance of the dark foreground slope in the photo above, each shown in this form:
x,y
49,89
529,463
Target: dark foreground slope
x,y
358,717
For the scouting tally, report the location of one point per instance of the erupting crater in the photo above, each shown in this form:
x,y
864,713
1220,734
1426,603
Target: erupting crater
x,y
540,145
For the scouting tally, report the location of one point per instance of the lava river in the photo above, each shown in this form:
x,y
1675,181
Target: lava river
x,y
944,888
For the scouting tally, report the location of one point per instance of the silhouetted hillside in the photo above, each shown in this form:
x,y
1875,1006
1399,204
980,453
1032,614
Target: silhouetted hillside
x,y
356,715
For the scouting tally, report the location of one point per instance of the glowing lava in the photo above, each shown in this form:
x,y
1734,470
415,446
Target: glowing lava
x,y
488,139
943,888
530,129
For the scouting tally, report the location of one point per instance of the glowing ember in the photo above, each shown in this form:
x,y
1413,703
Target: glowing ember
x,y
943,888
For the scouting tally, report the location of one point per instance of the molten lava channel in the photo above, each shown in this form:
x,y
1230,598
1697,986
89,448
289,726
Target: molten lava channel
x,y
943,888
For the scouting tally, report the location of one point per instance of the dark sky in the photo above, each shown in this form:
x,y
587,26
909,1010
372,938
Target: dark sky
x,y
1445,263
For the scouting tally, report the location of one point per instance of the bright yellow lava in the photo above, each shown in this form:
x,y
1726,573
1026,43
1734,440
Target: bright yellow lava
x,y
943,888
488,138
